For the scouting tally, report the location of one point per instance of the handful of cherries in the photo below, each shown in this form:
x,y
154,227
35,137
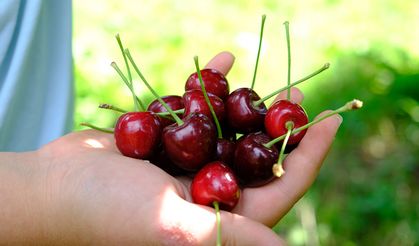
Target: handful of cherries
x,y
196,134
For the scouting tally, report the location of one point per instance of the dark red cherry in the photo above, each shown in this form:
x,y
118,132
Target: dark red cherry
x,y
279,114
215,182
253,161
173,101
191,144
225,151
242,115
137,134
194,101
161,160
214,81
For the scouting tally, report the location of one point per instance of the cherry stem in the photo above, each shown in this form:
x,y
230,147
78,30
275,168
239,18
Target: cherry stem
x,y
258,102
179,111
137,102
287,33
218,221
259,48
129,85
351,105
204,91
173,114
277,168
121,47
106,130
111,107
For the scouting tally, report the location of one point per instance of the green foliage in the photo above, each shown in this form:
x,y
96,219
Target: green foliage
x,y
367,191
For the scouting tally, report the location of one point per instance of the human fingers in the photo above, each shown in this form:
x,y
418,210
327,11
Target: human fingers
x,y
184,223
301,167
296,95
222,62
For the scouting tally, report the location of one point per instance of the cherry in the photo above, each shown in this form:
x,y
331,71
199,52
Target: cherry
x,y
215,82
242,115
225,151
137,134
173,101
163,161
225,147
191,144
279,114
253,161
215,182
195,102
277,168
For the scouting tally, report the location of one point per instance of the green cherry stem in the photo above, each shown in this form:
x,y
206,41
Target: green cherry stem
x,y
218,221
106,130
128,84
277,168
173,114
111,107
204,91
258,102
121,47
351,105
287,33
138,103
179,111
258,54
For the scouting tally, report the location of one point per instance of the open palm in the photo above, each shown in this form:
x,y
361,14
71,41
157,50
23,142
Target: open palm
x,y
101,196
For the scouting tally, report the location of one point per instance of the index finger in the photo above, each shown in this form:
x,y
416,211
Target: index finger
x,y
222,62
301,167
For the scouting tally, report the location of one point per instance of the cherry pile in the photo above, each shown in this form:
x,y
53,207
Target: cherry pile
x,y
224,140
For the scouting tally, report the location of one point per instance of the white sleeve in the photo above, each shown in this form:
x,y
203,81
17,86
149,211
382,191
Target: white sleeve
x,y
36,80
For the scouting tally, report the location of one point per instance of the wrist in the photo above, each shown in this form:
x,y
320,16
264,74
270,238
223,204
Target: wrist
x,y
21,206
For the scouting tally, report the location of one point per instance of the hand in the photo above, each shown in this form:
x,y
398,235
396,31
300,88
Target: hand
x,y
269,203
92,194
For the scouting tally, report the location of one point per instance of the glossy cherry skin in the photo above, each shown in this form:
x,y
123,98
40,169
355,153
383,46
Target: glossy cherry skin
x,y
279,114
137,134
194,101
215,182
242,115
252,161
225,151
215,82
191,144
173,101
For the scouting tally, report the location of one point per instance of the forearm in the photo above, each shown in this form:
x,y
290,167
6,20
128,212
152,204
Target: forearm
x,y
20,214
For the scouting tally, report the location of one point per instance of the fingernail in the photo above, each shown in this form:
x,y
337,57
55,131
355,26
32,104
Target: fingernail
x,y
339,118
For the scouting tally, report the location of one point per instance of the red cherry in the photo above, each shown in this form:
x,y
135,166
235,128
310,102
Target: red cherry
x,y
225,151
242,115
174,102
161,160
214,81
279,114
253,161
191,144
194,101
215,182
137,134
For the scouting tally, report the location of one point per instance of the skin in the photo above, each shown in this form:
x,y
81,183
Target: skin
x,y
80,190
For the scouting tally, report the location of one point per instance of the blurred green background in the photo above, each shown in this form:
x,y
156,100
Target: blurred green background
x,y
367,191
